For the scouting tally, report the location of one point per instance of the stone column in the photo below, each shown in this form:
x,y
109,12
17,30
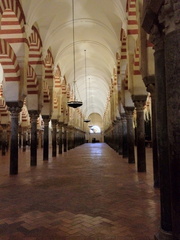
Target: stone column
x,y
15,109
60,142
150,85
157,37
170,18
130,134
54,140
34,116
60,138
124,136
139,102
4,139
69,138
65,139
120,138
46,119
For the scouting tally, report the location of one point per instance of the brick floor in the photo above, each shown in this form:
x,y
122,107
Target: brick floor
x,y
88,193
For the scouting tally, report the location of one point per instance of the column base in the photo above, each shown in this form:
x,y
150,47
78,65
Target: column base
x,y
162,235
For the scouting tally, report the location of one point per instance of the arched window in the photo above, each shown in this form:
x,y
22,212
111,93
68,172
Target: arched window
x,y
95,129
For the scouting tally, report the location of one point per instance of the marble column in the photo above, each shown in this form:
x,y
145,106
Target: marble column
x,y
150,85
65,139
139,102
130,134
170,18
54,139
124,136
165,232
15,109
34,116
120,138
46,119
69,138
4,139
60,142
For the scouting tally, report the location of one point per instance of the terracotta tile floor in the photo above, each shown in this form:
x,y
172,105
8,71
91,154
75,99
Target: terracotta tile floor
x,y
88,193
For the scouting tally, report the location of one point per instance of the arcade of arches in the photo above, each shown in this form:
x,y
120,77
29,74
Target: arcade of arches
x,y
125,70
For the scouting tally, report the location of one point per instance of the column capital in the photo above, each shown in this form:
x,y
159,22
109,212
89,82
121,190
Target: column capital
x,y
46,119
149,82
157,37
4,126
169,16
34,114
129,112
15,107
139,101
129,109
54,121
123,116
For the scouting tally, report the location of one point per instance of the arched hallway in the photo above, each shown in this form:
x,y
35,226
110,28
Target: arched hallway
x,y
87,193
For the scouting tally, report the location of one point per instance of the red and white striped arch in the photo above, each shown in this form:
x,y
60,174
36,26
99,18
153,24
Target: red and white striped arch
x,y
9,62
32,83
35,48
136,65
123,45
46,93
3,107
57,80
132,18
12,22
48,64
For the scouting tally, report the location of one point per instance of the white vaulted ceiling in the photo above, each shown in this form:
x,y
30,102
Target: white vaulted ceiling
x,y
97,25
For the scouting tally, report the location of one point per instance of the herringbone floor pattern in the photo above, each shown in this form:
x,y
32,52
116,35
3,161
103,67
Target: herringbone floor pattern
x,y
88,193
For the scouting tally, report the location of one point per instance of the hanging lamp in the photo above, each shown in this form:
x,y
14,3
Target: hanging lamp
x,y
74,103
85,120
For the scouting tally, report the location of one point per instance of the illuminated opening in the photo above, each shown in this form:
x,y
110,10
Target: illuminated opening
x,y
95,129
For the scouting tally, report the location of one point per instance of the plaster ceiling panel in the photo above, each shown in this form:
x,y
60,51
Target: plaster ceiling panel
x,y
97,25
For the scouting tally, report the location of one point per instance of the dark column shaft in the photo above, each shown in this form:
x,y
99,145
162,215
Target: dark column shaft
x,y
14,108
139,102
54,140
34,115
65,140
172,69
124,136
150,84
60,139
162,139
46,138
130,134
